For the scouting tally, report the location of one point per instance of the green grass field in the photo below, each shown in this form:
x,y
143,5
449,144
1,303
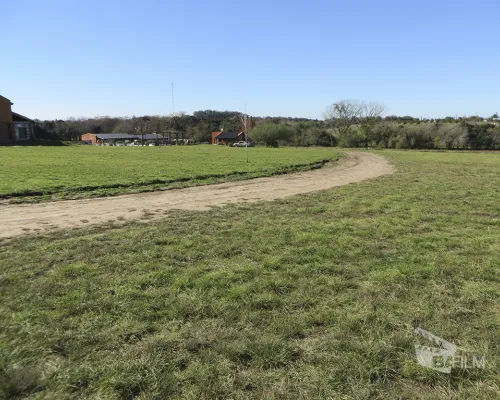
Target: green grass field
x,y
80,171
310,297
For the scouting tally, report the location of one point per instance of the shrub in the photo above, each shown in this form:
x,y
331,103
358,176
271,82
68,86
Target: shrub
x,y
271,134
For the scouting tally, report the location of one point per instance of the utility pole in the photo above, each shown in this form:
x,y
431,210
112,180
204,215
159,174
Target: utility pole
x,y
246,132
244,121
173,116
173,109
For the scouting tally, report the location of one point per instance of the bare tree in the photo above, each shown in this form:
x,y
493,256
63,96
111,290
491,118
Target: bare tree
x,y
341,116
142,126
371,114
175,124
372,110
244,125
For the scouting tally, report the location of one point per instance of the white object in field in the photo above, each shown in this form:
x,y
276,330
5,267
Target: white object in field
x,y
426,355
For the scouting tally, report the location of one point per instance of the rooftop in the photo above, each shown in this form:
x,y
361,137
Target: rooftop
x,y
116,136
5,98
20,118
228,135
129,136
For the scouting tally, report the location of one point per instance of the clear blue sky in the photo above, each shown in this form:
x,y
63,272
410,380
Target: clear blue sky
x,y
291,58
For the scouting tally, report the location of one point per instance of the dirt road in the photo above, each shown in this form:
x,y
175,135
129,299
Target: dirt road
x,y
22,219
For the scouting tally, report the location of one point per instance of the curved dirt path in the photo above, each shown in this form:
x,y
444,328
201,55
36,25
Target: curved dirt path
x,y
24,219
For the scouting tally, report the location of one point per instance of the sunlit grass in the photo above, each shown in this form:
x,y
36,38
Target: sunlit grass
x,y
46,172
314,296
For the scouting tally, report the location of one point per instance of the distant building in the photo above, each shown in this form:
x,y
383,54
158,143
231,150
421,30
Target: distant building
x,y
222,137
14,126
113,138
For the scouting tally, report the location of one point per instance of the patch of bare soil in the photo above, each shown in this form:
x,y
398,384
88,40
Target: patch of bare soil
x,y
25,219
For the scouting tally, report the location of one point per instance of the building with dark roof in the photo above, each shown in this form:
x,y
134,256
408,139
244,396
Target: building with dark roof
x,y
14,126
113,138
222,137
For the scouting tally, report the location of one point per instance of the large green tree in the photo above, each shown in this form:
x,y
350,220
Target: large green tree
x,y
271,134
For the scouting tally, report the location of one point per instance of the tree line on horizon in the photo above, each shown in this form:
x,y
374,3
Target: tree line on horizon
x,y
347,123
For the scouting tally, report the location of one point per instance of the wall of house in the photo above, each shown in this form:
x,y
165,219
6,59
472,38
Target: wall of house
x,y
89,137
229,141
5,111
6,125
4,132
23,131
214,134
